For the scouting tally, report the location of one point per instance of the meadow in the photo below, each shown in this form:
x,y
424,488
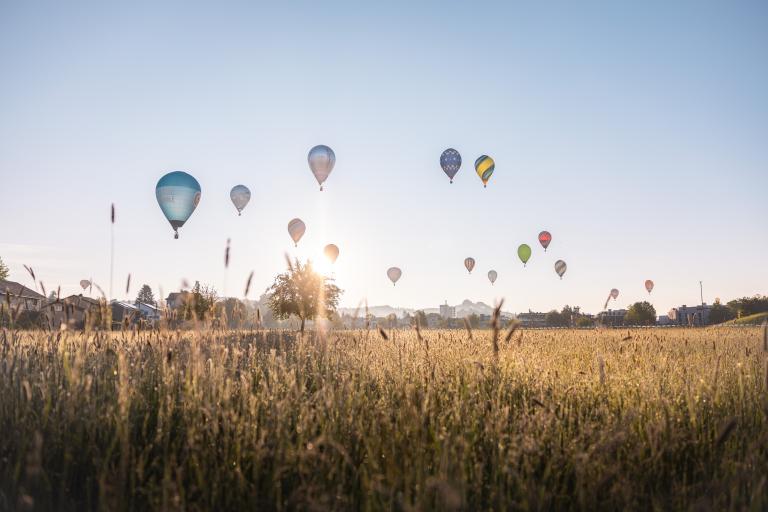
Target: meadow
x,y
640,419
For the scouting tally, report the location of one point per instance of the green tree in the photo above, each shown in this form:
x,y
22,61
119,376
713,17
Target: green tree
x,y
556,319
302,292
231,312
720,313
640,313
4,272
145,296
584,321
201,302
421,317
746,306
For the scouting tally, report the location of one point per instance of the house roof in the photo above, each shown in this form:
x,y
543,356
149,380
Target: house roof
x,y
124,305
18,290
149,306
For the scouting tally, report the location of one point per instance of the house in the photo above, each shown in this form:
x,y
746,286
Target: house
x,y
74,311
692,316
612,317
532,319
149,312
177,300
20,297
124,314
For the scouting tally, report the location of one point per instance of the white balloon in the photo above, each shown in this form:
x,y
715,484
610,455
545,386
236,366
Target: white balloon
x,y
394,274
296,229
321,161
492,275
240,195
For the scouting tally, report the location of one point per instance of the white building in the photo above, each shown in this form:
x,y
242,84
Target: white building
x,y
447,311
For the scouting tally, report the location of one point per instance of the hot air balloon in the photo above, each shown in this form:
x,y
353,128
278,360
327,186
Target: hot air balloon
x,y
85,283
544,239
649,285
492,275
450,161
178,194
240,195
560,268
469,263
484,167
524,253
394,273
331,252
296,229
614,293
321,161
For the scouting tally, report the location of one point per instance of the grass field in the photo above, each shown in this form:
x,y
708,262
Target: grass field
x,y
366,420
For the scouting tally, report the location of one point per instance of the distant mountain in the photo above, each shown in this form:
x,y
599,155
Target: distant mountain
x,y
466,308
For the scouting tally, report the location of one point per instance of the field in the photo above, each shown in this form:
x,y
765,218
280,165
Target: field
x,y
395,420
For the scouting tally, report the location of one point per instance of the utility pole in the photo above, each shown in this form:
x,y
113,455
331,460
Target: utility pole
x,y
701,290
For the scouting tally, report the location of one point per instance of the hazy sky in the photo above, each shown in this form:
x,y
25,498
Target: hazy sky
x,y
636,132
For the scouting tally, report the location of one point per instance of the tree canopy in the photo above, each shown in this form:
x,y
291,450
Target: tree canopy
x,y
145,296
3,270
640,313
304,293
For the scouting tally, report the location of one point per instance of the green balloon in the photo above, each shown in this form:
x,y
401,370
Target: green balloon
x,y
524,252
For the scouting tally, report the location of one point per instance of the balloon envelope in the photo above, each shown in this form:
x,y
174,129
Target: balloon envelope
x,y
394,273
240,195
331,252
492,275
484,167
450,161
85,283
614,293
560,268
321,161
469,263
178,194
649,285
296,229
524,253
544,239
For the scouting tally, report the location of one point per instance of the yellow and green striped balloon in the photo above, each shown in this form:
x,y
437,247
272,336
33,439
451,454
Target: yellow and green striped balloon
x,y
484,167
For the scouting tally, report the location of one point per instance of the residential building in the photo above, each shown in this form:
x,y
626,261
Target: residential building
x,y
612,317
123,314
149,311
176,300
447,311
75,312
21,298
693,315
532,319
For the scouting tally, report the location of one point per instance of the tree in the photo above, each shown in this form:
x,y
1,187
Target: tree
x,y
474,320
720,313
53,296
200,303
145,296
421,317
557,319
640,313
232,313
746,306
4,272
304,293
585,321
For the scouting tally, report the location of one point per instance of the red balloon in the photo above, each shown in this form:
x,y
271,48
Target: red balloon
x,y
544,238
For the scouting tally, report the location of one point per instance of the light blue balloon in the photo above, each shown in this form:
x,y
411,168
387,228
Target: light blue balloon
x,y
178,194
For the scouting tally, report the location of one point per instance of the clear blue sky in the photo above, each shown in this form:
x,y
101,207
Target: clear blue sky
x,y
637,133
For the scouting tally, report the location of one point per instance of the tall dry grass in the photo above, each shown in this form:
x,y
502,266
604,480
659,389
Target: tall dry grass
x,y
398,420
